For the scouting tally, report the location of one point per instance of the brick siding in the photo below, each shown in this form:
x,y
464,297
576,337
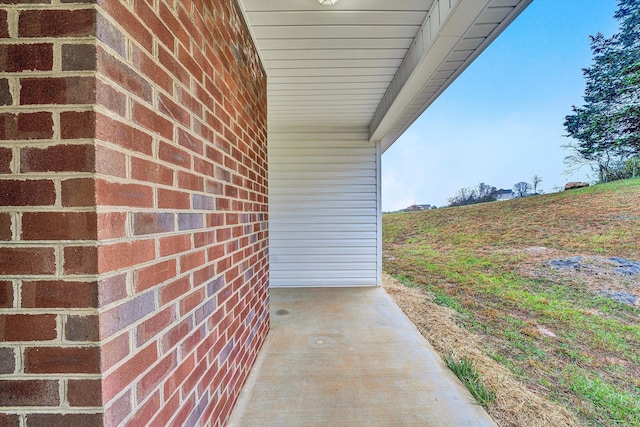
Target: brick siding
x,y
133,211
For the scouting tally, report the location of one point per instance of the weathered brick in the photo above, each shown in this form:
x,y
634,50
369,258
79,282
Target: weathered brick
x,y
215,285
111,98
84,392
190,181
58,294
124,76
114,351
29,393
169,408
5,226
78,192
82,328
151,69
29,126
146,412
117,194
125,254
71,360
204,238
169,199
194,101
110,162
64,420
6,294
59,226
128,371
23,261
202,166
205,310
7,361
201,202
144,170
9,420
111,225
196,413
186,59
173,24
77,124
151,327
190,221
110,35
78,57
176,334
112,289
156,25
171,291
123,315
26,57
27,327
56,23
185,409
175,380
121,14
153,222
57,90
190,24
191,301
5,93
155,274
58,158
152,379
174,245
174,155
4,25
172,65
80,260
118,410
151,120
171,109
192,261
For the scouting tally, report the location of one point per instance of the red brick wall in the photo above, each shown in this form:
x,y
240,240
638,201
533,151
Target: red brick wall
x,y
49,349
133,228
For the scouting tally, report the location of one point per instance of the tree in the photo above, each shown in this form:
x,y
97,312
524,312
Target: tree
x,y
521,189
606,129
469,196
535,181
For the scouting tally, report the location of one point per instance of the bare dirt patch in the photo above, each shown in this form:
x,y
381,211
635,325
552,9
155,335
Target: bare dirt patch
x,y
610,277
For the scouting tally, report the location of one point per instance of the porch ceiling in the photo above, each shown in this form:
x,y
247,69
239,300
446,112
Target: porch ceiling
x,y
367,64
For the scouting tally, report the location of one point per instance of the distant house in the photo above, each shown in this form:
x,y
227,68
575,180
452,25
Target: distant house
x,y
505,195
414,208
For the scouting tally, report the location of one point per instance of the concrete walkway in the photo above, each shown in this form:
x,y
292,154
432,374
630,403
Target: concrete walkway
x,y
349,357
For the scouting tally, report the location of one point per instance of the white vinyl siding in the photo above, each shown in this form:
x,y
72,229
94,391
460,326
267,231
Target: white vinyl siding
x,y
323,209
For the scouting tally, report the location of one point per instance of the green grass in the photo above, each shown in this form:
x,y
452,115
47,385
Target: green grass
x,y
467,373
469,259
621,407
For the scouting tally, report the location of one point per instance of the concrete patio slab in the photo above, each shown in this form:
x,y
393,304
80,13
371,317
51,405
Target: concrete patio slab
x,y
349,357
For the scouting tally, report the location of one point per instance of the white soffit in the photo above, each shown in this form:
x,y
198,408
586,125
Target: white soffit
x,y
367,64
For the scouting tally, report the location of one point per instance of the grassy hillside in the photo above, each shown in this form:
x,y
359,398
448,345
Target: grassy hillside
x,y
558,330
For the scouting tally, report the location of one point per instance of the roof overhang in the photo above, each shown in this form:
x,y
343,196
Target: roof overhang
x,y
371,65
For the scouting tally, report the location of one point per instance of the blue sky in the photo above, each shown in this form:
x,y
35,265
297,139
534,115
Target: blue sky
x,y
501,121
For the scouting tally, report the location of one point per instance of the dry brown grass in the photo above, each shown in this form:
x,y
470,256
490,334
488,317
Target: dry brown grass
x,y
515,404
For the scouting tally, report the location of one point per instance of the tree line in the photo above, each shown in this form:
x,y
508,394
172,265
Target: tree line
x,y
605,131
483,193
